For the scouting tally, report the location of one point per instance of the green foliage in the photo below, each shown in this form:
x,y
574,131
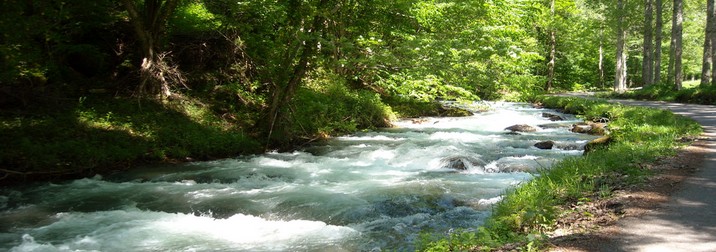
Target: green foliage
x,y
192,18
107,133
327,107
531,209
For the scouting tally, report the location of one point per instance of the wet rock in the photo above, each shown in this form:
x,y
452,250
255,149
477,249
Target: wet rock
x,y
552,117
462,162
545,145
555,125
581,128
521,128
597,143
590,128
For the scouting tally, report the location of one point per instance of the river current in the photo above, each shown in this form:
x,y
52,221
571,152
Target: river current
x,y
368,191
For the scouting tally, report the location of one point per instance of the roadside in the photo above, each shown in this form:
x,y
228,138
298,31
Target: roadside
x,y
672,212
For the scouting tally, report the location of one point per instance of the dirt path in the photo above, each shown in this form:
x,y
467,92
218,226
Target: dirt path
x,y
679,212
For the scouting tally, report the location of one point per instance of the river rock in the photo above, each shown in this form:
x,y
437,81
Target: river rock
x,y
590,128
556,125
552,117
462,162
545,145
521,128
597,143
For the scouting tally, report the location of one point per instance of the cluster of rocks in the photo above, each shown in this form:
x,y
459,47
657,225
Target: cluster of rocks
x,y
597,127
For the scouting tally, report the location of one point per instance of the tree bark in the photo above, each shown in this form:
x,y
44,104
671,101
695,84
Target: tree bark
x,y
676,45
601,57
552,51
621,67
711,38
707,62
149,26
647,67
282,93
658,29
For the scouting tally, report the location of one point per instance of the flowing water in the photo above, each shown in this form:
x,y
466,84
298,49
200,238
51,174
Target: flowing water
x,y
368,191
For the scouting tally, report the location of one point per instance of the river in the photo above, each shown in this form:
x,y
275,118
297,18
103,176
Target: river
x,y
367,191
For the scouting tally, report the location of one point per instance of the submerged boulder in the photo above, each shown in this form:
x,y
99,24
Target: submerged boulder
x,y
556,125
545,145
552,117
462,162
521,128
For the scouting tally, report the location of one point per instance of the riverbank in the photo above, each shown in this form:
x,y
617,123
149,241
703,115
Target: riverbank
x,y
531,213
102,134
681,219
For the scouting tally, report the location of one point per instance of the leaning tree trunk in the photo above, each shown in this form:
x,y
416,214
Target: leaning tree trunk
x,y
621,67
647,67
282,93
156,75
658,29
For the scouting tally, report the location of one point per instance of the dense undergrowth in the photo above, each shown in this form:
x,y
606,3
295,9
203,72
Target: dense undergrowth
x,y
691,92
103,133
529,212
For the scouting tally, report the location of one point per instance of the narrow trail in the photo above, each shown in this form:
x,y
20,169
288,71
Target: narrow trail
x,y
687,222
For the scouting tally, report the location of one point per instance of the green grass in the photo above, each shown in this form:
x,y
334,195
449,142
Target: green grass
x,y
529,211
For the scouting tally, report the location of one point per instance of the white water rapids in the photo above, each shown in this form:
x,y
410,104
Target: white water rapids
x,y
367,191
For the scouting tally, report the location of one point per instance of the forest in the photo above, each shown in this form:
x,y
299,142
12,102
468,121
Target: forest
x,y
105,86
111,83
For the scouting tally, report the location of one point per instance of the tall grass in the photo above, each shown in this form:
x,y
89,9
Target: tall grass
x,y
530,210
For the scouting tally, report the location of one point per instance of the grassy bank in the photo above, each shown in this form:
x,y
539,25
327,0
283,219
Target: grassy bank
x,y
691,92
530,211
105,133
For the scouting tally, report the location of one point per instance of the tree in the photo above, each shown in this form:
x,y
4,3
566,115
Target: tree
x,y
149,25
621,66
285,87
658,29
707,74
675,54
648,62
552,49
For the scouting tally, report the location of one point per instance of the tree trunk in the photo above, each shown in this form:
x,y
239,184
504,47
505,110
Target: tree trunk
x,y
552,51
601,57
621,67
711,37
658,29
282,93
647,67
676,41
707,62
149,25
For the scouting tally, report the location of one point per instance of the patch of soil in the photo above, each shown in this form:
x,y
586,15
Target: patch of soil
x,y
591,226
